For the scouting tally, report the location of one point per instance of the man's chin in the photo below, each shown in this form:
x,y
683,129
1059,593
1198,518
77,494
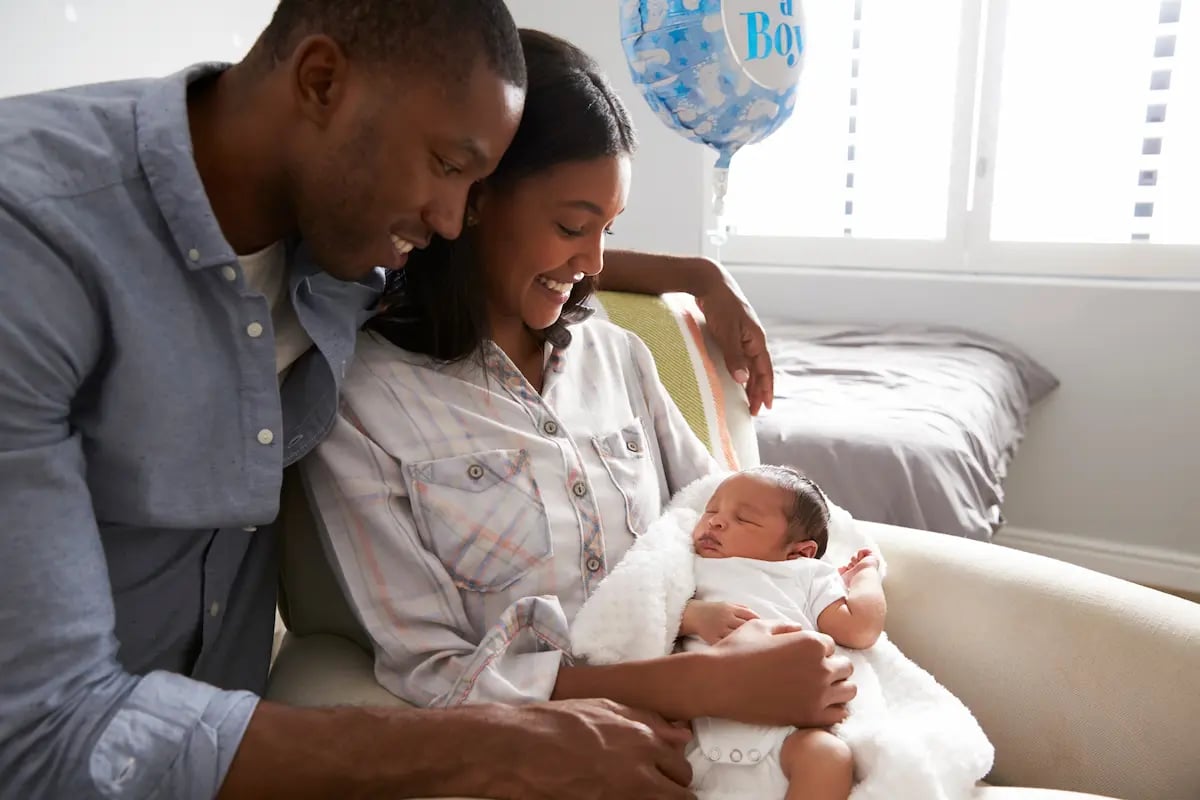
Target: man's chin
x,y
349,273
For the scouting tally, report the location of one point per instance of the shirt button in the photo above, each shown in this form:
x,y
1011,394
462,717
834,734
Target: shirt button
x,y
474,472
735,756
194,254
633,447
593,564
265,436
755,755
229,273
714,754
250,528
254,330
579,489
214,609
551,428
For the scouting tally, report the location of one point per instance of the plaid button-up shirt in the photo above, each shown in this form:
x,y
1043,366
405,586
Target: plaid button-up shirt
x,y
469,516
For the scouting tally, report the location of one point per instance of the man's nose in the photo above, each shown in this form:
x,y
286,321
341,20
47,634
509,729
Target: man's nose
x,y
445,212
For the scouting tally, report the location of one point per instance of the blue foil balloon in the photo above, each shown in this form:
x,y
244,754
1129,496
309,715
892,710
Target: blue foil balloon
x,y
721,72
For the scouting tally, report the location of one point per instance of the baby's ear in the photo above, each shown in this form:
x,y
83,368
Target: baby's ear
x,y
805,549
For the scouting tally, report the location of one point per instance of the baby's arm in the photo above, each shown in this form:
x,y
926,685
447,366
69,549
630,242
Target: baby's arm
x,y
712,622
858,620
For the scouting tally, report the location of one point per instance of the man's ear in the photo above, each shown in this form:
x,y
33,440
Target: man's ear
x,y
805,549
320,72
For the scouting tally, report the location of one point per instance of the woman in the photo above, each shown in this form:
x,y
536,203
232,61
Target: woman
x,y
496,455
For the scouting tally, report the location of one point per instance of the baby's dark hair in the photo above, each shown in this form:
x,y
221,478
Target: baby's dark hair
x,y
808,515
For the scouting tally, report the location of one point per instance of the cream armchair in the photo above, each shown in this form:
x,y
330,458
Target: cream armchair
x,y
1083,682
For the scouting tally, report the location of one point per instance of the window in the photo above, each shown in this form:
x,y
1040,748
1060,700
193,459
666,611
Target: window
x,y
1032,136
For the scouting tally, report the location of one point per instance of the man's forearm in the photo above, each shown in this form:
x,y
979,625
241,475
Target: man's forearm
x,y
362,752
643,273
673,686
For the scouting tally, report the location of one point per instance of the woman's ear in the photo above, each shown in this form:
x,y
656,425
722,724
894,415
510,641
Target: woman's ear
x,y
805,549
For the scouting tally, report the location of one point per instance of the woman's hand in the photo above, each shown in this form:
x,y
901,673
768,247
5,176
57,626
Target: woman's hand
x,y
740,335
777,675
712,622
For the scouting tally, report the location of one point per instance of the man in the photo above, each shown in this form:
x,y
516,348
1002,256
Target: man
x,y
170,250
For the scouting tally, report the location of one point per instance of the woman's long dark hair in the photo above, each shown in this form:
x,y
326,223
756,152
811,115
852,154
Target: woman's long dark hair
x,y
437,304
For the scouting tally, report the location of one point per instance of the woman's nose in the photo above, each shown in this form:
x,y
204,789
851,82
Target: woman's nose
x,y
590,259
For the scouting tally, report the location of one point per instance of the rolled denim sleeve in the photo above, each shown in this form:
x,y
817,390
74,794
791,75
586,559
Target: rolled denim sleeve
x,y
73,723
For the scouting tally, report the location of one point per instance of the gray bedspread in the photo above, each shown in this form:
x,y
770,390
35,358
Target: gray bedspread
x,y
912,426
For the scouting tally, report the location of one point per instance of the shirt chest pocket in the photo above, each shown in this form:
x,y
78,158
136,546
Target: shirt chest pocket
x,y
626,457
482,516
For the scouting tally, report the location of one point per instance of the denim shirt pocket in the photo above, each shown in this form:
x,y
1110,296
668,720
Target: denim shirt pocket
x,y
626,457
482,515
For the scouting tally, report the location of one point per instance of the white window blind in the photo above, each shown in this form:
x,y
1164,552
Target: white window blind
x,y
1030,136
868,151
1098,138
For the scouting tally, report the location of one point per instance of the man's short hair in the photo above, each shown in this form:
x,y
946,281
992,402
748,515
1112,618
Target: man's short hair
x,y
446,36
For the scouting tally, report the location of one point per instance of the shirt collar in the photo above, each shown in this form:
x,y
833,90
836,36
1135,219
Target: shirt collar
x,y
164,142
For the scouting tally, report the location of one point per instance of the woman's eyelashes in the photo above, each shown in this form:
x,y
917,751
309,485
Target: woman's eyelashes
x,y
575,233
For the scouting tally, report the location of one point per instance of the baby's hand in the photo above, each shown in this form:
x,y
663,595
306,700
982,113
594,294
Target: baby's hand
x,y
864,559
712,622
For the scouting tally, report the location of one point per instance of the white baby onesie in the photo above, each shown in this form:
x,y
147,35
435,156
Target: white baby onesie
x,y
733,760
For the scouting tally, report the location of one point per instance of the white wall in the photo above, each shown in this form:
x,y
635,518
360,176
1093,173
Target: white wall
x,y
54,43
668,184
1107,476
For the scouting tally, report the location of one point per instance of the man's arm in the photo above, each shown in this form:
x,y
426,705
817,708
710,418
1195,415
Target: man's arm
x,y
731,319
73,723
544,751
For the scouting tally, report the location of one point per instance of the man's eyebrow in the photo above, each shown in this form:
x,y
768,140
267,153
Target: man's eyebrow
x,y
585,205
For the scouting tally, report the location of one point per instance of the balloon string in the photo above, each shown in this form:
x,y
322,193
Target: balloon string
x,y
719,235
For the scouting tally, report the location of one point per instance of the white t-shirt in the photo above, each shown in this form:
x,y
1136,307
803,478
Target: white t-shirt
x,y
266,273
795,591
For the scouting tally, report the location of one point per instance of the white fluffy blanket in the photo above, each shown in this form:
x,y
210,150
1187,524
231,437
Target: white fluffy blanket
x,y
911,738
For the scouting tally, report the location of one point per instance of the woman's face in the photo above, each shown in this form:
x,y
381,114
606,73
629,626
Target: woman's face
x,y
542,235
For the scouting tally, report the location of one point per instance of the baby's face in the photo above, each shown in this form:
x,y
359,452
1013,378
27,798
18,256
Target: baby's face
x,y
746,518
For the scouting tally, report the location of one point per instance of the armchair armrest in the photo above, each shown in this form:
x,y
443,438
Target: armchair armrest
x,y
1082,681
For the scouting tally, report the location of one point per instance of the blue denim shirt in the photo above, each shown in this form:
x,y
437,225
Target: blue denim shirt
x,y
143,436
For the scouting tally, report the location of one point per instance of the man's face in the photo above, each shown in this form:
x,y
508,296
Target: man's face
x,y
392,161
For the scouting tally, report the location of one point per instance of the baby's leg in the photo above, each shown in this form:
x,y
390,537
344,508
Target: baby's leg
x,y
817,765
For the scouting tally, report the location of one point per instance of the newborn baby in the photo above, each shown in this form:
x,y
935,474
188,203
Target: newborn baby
x,y
757,545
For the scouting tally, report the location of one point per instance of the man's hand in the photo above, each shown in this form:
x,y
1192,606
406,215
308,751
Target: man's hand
x,y
712,622
582,749
740,335
779,675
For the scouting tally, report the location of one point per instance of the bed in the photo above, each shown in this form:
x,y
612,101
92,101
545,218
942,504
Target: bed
x,y
911,426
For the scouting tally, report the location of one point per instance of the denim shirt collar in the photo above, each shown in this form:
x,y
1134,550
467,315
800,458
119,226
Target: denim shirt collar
x,y
164,144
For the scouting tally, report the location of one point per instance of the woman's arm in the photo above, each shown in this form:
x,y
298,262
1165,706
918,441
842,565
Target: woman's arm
x,y
808,684
731,319
403,594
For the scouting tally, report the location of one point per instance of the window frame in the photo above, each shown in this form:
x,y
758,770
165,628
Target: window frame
x,y
968,247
